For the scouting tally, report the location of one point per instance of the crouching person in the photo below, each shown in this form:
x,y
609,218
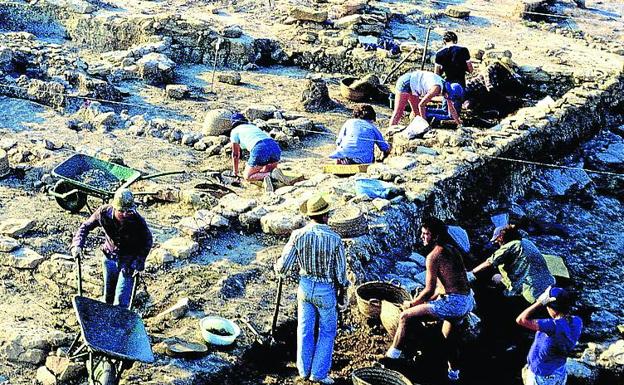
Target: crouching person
x,y
444,264
127,242
555,338
264,152
358,136
318,253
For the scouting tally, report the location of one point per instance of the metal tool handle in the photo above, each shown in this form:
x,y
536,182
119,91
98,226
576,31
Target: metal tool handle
x,y
278,298
79,273
135,284
424,57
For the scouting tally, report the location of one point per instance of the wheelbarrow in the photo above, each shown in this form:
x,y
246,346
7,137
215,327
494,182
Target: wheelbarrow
x,y
83,175
110,339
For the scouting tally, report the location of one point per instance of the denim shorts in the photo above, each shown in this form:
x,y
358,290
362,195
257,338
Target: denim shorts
x,y
403,84
452,306
265,152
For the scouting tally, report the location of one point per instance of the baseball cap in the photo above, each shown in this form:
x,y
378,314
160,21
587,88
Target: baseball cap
x,y
497,233
454,90
238,118
563,299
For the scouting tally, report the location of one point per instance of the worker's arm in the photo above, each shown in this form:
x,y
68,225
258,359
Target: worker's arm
x,y
422,104
526,319
453,112
289,255
469,67
341,134
381,142
438,69
235,156
85,228
148,242
430,278
486,264
341,275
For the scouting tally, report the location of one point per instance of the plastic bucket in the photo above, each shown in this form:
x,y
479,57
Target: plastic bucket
x,y
212,327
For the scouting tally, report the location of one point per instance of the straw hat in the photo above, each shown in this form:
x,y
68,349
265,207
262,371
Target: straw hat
x,y
317,205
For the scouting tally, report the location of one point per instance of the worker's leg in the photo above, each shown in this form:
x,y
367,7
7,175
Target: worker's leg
x,y
306,321
400,101
325,301
263,159
418,311
413,102
123,290
451,334
256,172
111,275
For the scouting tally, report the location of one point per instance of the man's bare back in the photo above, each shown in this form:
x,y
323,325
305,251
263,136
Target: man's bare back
x,y
448,267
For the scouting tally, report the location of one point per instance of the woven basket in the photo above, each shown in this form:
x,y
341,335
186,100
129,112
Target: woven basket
x,y
350,93
349,222
370,296
389,316
378,376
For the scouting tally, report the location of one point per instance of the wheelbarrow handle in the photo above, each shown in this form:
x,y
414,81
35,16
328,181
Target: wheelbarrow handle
x,y
79,273
159,174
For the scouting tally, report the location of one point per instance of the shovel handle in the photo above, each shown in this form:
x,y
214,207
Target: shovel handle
x,y
79,274
278,298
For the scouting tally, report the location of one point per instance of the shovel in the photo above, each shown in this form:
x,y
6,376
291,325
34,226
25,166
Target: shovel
x,y
278,298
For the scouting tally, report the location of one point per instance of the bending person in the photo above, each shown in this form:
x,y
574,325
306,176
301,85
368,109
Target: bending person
x,y
555,338
127,242
358,136
418,88
444,264
264,152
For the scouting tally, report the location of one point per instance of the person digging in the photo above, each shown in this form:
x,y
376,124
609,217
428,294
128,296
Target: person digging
x,y
127,242
318,253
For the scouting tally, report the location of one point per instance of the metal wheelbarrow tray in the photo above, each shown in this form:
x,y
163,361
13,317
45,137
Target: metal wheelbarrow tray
x,y
71,190
113,330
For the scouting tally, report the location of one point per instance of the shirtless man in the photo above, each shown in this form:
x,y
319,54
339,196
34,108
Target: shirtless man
x,y
445,268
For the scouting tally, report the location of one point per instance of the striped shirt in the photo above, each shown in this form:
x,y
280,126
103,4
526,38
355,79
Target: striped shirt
x,y
318,252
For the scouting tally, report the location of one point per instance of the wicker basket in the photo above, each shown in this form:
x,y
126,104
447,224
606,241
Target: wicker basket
x,y
349,222
378,376
389,316
370,295
350,93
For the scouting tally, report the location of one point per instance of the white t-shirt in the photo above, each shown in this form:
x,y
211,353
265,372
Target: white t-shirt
x,y
423,81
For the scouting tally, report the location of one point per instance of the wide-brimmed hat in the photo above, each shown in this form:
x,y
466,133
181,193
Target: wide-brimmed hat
x,y
123,200
317,205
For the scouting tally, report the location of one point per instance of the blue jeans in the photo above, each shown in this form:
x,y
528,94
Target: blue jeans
x,y
118,283
316,301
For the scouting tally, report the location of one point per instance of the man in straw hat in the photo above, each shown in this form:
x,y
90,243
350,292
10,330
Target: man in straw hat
x,y
127,241
318,253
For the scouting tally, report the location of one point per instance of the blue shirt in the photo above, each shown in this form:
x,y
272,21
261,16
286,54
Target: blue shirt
x,y
553,343
247,135
356,141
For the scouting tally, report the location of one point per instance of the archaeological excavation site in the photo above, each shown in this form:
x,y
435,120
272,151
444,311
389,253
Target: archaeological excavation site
x,y
396,192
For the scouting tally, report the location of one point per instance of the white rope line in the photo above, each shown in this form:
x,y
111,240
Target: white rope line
x,y
542,164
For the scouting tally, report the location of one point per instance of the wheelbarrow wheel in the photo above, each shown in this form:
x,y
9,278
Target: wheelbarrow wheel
x,y
105,373
72,203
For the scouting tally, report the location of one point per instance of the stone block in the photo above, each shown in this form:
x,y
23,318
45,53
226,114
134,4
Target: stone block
x,y
281,222
181,247
45,377
159,256
8,244
16,227
176,91
233,78
177,311
156,68
307,14
217,122
22,258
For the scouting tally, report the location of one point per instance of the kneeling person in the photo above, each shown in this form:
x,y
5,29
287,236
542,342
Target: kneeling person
x,y
264,152
357,138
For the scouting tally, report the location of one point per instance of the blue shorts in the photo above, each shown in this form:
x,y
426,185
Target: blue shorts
x,y
265,152
403,84
452,306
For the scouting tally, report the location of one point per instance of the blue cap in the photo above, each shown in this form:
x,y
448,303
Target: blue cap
x,y
238,118
563,299
454,90
497,233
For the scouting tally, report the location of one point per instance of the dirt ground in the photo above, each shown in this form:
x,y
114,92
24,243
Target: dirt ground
x,y
27,302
